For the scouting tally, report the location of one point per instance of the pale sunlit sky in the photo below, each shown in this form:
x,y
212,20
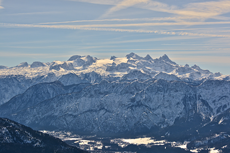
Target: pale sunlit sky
x,y
188,31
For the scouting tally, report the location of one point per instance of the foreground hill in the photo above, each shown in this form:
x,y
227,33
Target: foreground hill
x,y
16,138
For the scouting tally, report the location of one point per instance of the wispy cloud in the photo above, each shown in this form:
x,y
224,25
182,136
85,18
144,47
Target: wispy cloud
x,y
152,24
157,32
201,10
39,47
1,7
207,59
122,5
206,9
152,39
32,42
32,55
132,24
91,27
102,2
119,20
35,13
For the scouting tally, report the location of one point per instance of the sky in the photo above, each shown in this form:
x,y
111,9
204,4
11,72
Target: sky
x,y
189,31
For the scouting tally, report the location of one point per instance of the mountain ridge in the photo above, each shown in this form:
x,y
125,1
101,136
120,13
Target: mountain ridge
x,y
153,103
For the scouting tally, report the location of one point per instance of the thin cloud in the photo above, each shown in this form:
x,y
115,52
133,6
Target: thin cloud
x,y
198,52
159,32
32,55
119,20
202,10
122,5
148,40
112,29
35,13
102,2
140,24
212,8
152,24
33,42
1,7
36,47
200,59
152,39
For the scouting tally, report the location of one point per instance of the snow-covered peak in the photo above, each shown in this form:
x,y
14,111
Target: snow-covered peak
x,y
57,65
134,56
37,64
82,61
115,67
89,59
165,58
113,57
195,67
148,57
74,57
23,64
186,65
166,76
3,67
135,75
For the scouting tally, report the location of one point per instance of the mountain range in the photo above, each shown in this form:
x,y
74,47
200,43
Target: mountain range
x,y
83,69
119,96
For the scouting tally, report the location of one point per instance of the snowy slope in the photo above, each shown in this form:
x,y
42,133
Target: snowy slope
x,y
118,106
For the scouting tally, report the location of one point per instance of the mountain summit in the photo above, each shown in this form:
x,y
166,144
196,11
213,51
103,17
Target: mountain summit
x,y
133,55
166,59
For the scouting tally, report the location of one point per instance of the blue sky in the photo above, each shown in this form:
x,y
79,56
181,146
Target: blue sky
x,y
188,31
